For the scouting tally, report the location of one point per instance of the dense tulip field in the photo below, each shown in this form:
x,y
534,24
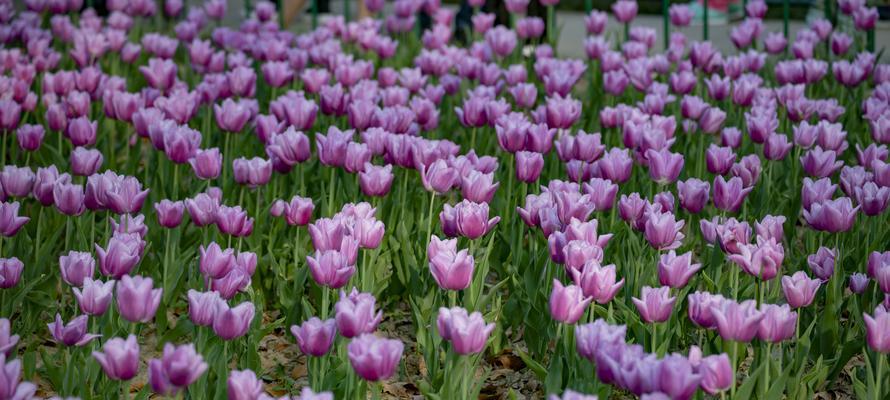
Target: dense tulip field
x,y
197,211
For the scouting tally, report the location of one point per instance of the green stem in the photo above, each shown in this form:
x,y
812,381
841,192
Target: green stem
x,y
429,220
654,338
331,189
878,376
766,358
735,357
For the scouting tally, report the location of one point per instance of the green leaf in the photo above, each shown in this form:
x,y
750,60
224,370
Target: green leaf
x,y
533,365
747,388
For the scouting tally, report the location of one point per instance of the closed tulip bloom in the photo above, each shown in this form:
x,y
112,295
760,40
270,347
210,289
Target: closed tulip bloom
x,y
95,296
76,266
729,195
567,303
738,322
375,180
478,187
439,177
877,327
820,163
822,263
719,159
602,192
215,262
712,120
528,166
244,385
799,289
625,10
10,221
17,181
872,198
663,231
674,271
701,305
858,283
374,359
771,227
203,307
10,272
233,322
816,191
178,367
315,336
121,254
330,268
776,147
298,212
126,196
597,281
778,323
81,131
234,221
169,213
30,137
693,194
877,260
467,332
254,172
232,116
137,300
452,269
664,166
761,260
655,304
85,162
206,164
202,209
472,219
355,314
44,183
562,112
290,147
716,373
681,14
72,334
119,358
831,215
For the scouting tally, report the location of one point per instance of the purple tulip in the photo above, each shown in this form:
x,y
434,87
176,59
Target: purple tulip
x,y
471,218
234,221
254,172
799,289
438,177
85,162
452,269
675,271
375,180
655,304
289,148
244,385
663,231
562,112
877,328
159,74
120,358
215,262
72,334
778,323
693,194
10,221
75,267
315,336
716,372
374,359
330,268
120,256
729,195
298,212
355,314
207,164
178,367
203,307
17,181
137,300
858,283
761,260
701,305
771,227
81,131
232,322
822,263
169,213
202,209
831,215
69,198
95,297
567,303
820,163
597,282
681,14
10,272
181,144
625,10
467,332
816,191
30,137
738,322
872,198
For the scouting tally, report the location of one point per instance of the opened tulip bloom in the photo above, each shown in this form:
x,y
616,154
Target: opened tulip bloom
x,y
467,332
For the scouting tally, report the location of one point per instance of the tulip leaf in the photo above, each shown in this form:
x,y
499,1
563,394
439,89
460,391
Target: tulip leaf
x,y
536,367
747,388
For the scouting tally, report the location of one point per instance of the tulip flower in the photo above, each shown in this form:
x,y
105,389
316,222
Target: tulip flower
x,y
232,322
467,332
178,367
315,336
95,297
10,272
675,271
119,358
655,304
567,303
738,322
778,323
374,359
72,334
355,314
137,300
